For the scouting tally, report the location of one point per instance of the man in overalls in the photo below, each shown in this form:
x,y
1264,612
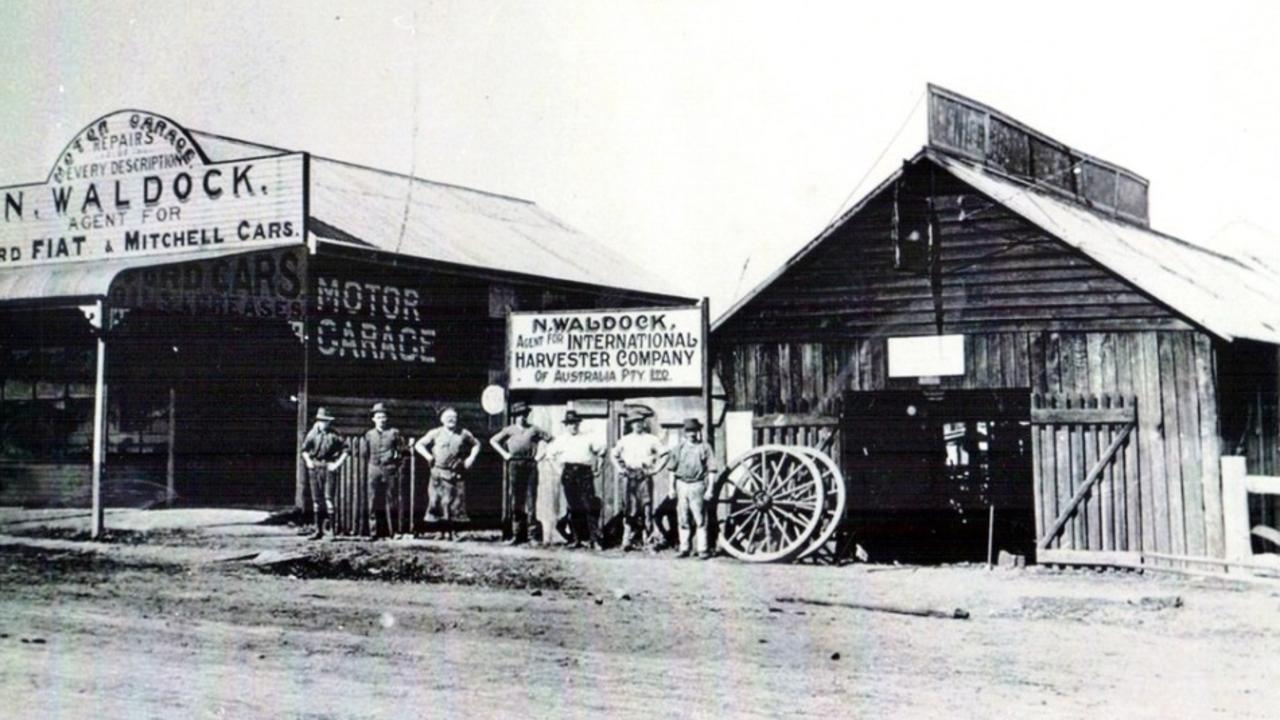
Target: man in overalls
x,y
451,451
323,452
386,449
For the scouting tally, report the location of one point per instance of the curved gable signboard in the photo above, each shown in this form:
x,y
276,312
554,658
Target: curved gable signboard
x,y
135,183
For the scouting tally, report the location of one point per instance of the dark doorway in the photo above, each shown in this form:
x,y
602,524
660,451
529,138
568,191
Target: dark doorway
x,y
924,468
234,384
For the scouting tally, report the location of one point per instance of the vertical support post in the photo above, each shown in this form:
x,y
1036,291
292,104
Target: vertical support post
x,y
709,434
170,470
301,485
991,533
509,499
99,419
413,489
1235,509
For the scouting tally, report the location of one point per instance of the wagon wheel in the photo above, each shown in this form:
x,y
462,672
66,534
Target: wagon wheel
x,y
833,503
769,501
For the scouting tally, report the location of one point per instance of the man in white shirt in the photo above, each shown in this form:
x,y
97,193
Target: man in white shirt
x,y
637,457
580,458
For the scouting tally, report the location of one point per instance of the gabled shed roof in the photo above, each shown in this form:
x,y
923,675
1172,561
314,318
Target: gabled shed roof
x,y
1234,295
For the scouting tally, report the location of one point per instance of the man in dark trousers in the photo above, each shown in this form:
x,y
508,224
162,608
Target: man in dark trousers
x,y
323,451
637,457
386,450
579,456
518,444
451,451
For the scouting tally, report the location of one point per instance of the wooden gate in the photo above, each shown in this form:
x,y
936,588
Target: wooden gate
x,y
815,431
1086,469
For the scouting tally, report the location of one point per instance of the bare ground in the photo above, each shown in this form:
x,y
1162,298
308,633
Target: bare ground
x,y
169,620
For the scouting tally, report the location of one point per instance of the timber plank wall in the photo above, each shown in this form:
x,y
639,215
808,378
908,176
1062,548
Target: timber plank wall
x,y
997,273
1037,315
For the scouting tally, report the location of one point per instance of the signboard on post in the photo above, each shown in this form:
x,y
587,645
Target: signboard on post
x,y
135,183
648,348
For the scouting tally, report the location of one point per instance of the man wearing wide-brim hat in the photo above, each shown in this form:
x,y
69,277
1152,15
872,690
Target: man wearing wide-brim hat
x,y
323,452
637,457
519,444
386,451
692,466
580,458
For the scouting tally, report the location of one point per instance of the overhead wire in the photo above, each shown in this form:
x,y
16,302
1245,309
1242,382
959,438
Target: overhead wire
x,y
915,106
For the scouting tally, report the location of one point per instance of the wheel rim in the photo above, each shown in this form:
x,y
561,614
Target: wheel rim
x,y
769,503
834,502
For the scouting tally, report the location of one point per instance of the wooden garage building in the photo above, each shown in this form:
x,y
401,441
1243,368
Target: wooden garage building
x,y
996,330
384,288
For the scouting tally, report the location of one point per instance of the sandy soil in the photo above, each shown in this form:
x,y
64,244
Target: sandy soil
x,y
171,620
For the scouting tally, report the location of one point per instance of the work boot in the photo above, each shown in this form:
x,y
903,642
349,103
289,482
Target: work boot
x,y
317,535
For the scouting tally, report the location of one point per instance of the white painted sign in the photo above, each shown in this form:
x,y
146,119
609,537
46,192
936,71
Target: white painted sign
x,y
926,356
654,348
135,183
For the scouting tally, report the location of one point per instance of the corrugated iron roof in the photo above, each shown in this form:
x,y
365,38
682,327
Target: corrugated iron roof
x,y
1232,296
452,224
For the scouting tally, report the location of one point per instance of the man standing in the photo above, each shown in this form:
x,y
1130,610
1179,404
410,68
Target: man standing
x,y
693,463
580,456
323,452
522,442
386,450
637,457
450,451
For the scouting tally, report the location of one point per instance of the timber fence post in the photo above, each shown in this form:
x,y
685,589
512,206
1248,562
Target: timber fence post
x,y
1235,509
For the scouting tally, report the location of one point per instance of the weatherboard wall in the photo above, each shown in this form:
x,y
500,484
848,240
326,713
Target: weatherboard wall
x,y
1037,316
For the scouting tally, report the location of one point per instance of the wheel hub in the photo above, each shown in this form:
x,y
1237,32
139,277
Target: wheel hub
x,y
761,501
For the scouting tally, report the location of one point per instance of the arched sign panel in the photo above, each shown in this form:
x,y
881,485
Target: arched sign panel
x,y
135,183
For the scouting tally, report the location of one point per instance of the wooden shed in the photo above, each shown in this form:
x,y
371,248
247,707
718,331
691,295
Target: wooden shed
x,y
996,331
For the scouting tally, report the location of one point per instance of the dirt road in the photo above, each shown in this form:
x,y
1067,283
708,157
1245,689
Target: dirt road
x,y
163,624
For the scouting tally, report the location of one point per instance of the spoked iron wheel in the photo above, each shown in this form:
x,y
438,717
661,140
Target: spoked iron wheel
x,y
833,502
769,502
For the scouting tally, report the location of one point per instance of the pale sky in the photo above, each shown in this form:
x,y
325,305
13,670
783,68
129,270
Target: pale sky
x,y
692,135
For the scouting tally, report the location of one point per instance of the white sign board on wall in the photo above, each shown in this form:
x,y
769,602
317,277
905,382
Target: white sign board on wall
x,y
652,348
135,183
926,356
